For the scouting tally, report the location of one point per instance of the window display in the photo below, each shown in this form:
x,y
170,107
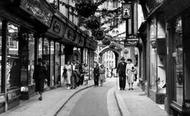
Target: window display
x,y
52,66
46,58
13,65
178,62
31,53
57,63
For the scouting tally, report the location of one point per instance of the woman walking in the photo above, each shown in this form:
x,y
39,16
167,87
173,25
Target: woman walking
x,y
102,74
40,74
96,74
69,74
129,73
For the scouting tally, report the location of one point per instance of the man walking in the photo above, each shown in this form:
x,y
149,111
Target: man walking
x,y
122,73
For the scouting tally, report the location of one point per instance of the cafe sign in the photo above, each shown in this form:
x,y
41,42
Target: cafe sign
x,y
38,10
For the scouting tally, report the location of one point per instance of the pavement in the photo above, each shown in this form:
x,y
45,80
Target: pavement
x,y
53,101
136,103
129,103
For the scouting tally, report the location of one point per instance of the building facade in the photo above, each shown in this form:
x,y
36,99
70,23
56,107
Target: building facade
x,y
165,38
32,30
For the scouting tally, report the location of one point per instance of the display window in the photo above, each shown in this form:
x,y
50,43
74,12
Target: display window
x,y
178,62
31,54
46,57
57,63
52,59
12,64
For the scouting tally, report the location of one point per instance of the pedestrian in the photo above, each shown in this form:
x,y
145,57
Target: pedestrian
x,y
111,72
81,70
122,73
40,75
73,75
69,74
129,73
86,74
96,74
64,75
102,74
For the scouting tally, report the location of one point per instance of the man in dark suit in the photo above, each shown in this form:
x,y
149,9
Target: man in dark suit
x,y
121,70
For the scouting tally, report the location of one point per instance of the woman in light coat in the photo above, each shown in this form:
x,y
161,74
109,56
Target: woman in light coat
x,y
129,73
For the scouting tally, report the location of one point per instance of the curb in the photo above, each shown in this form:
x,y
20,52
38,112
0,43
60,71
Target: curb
x,y
121,105
71,97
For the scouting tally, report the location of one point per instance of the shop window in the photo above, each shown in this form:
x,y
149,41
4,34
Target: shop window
x,y
178,62
57,63
13,65
31,52
40,47
52,66
46,57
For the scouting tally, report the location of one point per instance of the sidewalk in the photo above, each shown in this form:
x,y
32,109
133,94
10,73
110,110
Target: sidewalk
x,y
136,103
52,101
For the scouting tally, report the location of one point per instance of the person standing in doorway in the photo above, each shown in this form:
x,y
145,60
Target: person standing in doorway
x,y
122,73
40,74
129,73
96,74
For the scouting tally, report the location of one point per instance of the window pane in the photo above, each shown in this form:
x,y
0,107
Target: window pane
x,y
31,59
178,60
52,76
57,63
46,58
13,65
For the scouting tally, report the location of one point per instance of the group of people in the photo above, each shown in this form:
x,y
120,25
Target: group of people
x,y
126,70
99,74
75,74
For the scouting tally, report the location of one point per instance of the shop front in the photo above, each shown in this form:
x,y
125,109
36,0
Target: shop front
x,y
178,64
20,27
157,72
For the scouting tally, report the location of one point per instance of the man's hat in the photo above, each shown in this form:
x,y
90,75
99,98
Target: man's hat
x,y
122,58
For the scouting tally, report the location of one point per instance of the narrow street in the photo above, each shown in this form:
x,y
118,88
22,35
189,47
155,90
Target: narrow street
x,y
96,101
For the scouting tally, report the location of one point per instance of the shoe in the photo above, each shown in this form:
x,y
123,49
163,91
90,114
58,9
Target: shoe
x,y
132,89
40,98
129,89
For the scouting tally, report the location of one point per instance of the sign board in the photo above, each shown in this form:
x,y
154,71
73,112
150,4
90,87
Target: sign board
x,y
37,9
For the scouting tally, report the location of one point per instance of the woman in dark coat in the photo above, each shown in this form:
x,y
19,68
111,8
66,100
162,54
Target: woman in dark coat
x,y
96,74
40,74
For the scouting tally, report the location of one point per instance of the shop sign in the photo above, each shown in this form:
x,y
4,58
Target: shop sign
x,y
57,27
70,34
38,10
80,40
91,44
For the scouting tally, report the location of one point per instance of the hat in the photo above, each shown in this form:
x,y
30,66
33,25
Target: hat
x,y
122,58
